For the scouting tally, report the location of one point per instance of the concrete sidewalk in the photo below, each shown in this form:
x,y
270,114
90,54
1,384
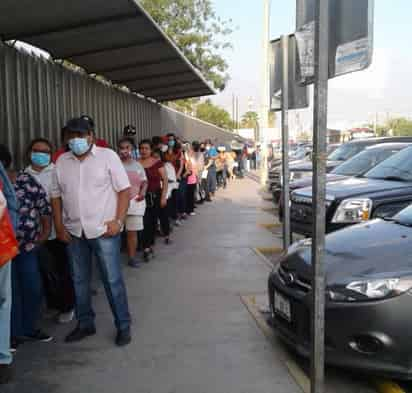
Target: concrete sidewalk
x,y
191,332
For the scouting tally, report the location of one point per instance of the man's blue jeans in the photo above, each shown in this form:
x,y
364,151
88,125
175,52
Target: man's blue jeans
x,y
107,251
27,294
5,310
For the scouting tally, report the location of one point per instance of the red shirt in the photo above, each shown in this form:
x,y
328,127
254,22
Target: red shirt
x,y
153,177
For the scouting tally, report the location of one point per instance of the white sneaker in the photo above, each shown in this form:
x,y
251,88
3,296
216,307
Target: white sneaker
x,y
66,317
193,214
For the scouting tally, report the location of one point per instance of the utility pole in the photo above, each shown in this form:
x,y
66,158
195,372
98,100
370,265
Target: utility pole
x,y
233,113
264,116
237,112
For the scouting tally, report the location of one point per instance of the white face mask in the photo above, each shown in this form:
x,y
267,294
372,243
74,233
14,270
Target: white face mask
x,y
164,148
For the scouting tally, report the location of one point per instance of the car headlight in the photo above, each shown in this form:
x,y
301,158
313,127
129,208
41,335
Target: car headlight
x,y
352,211
374,289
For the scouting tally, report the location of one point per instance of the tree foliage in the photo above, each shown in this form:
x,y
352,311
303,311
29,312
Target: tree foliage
x,y
397,126
250,119
198,32
213,114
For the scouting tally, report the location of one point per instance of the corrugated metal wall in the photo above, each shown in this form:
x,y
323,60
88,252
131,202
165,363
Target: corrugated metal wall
x,y
192,129
37,97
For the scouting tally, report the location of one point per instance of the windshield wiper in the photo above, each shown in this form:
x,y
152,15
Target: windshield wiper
x,y
394,220
395,178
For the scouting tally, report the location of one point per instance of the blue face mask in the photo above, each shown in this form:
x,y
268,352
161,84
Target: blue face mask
x,y
40,159
79,146
171,143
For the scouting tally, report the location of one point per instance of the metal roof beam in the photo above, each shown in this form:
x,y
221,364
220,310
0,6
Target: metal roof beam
x,y
188,94
146,91
139,43
154,76
136,65
91,22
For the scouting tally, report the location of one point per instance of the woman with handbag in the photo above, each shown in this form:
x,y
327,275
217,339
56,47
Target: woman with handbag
x,y
53,256
156,196
33,229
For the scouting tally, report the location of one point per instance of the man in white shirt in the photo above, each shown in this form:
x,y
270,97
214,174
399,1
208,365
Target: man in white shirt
x,y
90,199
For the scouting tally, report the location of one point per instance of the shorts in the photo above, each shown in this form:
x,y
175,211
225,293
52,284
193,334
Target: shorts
x,y
134,223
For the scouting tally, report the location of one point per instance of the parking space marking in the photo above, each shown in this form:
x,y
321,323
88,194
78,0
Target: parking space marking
x,y
294,369
388,387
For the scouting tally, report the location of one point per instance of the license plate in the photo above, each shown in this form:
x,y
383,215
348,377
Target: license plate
x,y
282,307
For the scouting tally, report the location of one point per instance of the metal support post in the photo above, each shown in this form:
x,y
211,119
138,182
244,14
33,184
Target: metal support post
x,y
285,141
319,194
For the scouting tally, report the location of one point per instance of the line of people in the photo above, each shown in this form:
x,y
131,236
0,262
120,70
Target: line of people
x,y
69,210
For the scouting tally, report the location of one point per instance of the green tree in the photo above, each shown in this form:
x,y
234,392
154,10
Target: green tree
x,y
198,32
397,126
400,126
213,114
250,120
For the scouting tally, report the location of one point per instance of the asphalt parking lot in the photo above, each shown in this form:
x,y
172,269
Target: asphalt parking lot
x,y
337,380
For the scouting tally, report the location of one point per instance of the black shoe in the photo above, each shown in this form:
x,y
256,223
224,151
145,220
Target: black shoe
x,y
123,338
6,373
15,342
40,336
168,241
146,256
79,334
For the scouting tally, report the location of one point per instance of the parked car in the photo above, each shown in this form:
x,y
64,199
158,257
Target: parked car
x,y
303,169
332,147
381,192
368,297
358,165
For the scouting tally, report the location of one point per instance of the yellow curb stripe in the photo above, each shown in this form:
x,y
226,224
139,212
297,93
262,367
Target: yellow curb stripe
x,y
387,387
299,376
294,370
263,258
269,226
261,251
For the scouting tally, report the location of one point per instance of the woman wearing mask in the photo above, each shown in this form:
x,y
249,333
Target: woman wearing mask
x,y
164,217
156,196
39,155
175,156
137,207
33,230
221,167
211,155
192,176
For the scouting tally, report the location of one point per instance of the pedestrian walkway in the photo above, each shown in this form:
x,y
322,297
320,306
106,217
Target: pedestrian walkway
x,y
191,332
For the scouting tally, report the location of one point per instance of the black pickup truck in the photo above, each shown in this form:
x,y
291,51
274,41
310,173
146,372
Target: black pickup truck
x,y
304,170
381,192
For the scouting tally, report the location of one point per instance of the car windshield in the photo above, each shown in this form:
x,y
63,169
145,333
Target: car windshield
x,y
298,154
397,167
344,152
363,162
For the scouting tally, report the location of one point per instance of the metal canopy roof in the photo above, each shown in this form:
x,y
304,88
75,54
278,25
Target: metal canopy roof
x,y
113,38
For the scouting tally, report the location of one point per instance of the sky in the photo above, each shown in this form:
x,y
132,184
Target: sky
x,y
380,92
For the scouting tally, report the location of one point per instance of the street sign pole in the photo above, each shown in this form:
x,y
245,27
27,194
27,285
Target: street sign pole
x,y
285,140
319,195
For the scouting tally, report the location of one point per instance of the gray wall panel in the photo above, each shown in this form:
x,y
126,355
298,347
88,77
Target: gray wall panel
x,y
38,96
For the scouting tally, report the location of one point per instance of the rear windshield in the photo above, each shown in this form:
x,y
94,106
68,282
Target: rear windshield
x,y
344,152
363,162
397,167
